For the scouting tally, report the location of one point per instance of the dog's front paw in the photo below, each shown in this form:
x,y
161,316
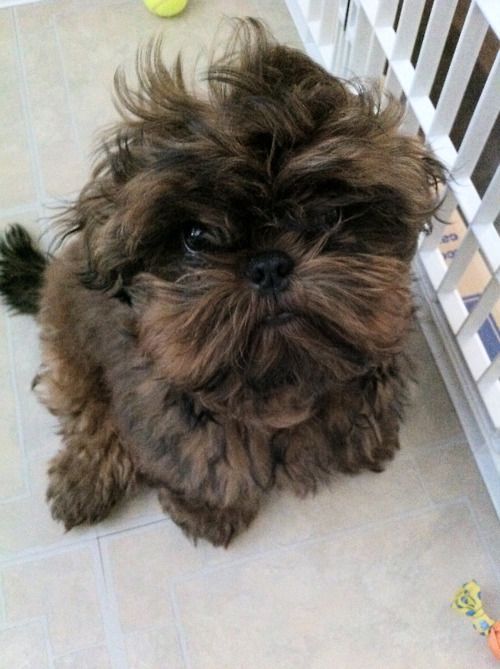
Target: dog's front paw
x,y
71,495
83,488
219,526
64,506
218,531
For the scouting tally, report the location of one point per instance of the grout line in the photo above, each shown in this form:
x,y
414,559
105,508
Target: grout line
x,y
148,521
115,641
67,97
29,620
28,120
45,552
179,629
132,529
319,538
41,552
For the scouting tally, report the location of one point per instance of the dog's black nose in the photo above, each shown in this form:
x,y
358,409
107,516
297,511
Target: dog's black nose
x,y
269,272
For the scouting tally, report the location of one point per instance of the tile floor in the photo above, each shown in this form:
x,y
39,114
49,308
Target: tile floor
x,y
359,577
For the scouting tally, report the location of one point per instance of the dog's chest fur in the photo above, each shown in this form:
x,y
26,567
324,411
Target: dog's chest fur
x,y
285,441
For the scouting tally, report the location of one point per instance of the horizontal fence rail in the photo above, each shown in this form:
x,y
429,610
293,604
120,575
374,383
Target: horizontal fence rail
x,y
429,54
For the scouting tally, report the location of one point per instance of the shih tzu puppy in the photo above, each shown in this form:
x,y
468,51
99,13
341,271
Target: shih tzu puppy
x,y
230,308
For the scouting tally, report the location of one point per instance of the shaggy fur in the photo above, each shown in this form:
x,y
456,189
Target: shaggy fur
x,y
231,308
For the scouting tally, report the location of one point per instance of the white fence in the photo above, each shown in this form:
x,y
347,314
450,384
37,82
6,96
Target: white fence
x,y
430,53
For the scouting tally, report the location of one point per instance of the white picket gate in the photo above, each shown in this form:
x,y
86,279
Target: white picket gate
x,y
405,44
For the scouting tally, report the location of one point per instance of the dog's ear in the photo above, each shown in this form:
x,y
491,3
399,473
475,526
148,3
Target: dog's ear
x,y
408,178
358,155
126,193
418,181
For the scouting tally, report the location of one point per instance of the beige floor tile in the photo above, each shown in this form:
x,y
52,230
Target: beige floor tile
x,y
142,564
26,523
16,176
364,599
61,587
154,649
24,647
450,472
90,658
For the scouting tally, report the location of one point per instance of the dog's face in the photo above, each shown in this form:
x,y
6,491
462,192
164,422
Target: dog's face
x,y
263,233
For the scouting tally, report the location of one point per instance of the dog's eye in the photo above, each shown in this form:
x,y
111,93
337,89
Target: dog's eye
x,y
197,238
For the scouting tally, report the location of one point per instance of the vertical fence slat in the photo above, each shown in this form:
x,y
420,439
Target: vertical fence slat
x,y
481,123
386,13
328,21
342,52
406,34
362,33
312,9
375,55
375,59
432,46
338,38
462,64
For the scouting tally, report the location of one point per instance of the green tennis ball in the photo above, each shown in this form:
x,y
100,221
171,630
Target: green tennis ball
x,y
165,7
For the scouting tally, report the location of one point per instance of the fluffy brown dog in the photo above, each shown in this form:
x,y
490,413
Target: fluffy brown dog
x,y
230,310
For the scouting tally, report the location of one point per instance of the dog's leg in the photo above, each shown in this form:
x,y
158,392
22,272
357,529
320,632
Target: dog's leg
x,y
367,434
304,458
359,430
93,470
88,477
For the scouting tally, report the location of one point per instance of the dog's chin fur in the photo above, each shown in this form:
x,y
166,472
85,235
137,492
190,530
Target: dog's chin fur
x,y
165,362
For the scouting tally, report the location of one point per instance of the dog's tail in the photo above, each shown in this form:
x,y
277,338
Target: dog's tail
x,y
22,265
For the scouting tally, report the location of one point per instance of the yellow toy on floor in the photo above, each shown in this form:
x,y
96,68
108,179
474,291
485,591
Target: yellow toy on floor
x,y
166,7
468,601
